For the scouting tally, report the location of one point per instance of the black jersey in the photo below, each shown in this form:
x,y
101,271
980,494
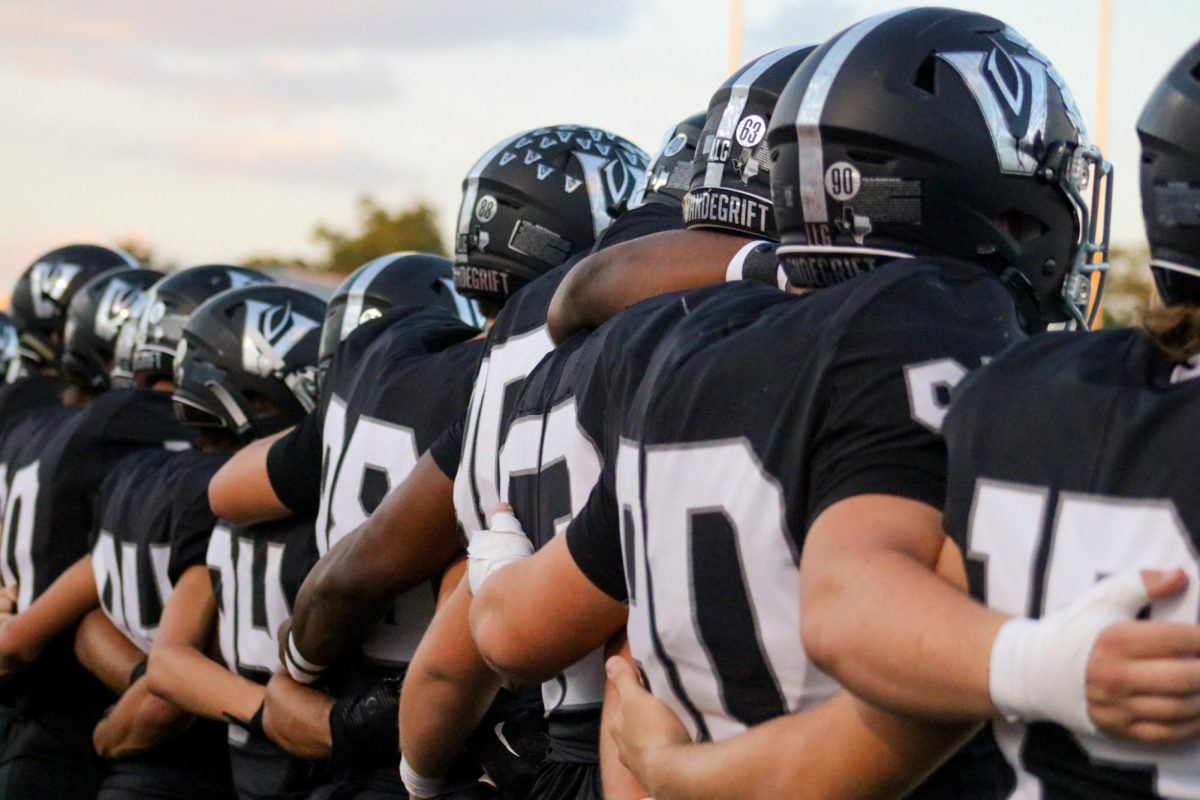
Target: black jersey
x,y
1064,468
394,385
756,412
517,341
152,523
59,459
553,451
25,395
256,571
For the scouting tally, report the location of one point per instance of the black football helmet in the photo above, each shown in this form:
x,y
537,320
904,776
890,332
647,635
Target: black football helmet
x,y
11,368
170,302
1169,129
397,279
670,173
731,173
95,316
536,199
44,290
247,362
937,132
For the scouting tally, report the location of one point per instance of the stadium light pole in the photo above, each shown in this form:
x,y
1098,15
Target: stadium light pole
x,y
1103,73
735,35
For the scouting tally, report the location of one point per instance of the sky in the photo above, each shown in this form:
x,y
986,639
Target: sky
x,y
220,130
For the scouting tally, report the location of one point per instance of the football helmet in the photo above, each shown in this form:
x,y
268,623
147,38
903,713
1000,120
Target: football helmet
x,y
536,199
1169,129
247,361
95,316
731,173
11,368
937,132
397,279
670,173
45,288
170,302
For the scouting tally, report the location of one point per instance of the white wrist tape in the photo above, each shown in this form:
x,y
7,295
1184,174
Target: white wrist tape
x,y
496,548
1038,668
417,784
300,668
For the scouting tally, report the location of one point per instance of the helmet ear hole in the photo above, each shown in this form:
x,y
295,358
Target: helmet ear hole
x,y
1022,227
926,77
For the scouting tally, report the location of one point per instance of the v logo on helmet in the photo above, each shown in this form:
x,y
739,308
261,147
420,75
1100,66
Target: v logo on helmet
x,y
48,284
118,304
1011,94
270,334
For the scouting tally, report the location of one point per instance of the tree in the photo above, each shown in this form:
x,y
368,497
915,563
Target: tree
x,y
1129,287
380,232
145,252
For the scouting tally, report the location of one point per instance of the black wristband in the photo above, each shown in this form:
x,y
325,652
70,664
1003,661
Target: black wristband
x,y
760,264
254,725
364,729
138,671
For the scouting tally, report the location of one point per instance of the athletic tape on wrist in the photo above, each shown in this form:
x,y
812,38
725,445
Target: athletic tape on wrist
x,y
494,549
301,669
417,784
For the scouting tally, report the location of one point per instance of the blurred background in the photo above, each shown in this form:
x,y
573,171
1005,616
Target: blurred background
x,y
322,134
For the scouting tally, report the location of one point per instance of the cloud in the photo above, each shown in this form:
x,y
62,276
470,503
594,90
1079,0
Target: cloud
x,y
287,158
268,24
803,22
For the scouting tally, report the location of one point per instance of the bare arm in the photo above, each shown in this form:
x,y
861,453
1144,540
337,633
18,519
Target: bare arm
x,y
63,604
881,620
139,721
410,538
447,689
241,490
573,616
180,672
604,283
841,748
296,718
106,652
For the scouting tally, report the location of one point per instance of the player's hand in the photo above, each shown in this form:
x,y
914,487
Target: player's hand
x,y
8,599
643,728
11,659
494,549
1143,678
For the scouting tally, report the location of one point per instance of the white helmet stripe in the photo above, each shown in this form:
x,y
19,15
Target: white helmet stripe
x,y
471,191
811,154
738,94
354,296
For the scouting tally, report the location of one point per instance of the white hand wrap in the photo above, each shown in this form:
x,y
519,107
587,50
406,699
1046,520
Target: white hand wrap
x,y
300,668
418,785
496,548
1038,668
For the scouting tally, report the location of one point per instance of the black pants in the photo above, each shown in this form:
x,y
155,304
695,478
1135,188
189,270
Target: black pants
x,y
41,759
562,780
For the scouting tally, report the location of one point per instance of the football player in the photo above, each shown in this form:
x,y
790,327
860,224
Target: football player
x,y
152,524
39,307
714,493
398,353
1044,507
56,458
550,457
245,367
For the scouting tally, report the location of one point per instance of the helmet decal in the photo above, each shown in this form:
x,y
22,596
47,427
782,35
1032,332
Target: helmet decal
x,y
1011,94
271,331
49,283
120,302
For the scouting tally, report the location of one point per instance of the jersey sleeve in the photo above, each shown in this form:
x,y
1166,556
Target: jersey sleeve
x,y
887,389
191,525
594,539
107,487
446,449
294,467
